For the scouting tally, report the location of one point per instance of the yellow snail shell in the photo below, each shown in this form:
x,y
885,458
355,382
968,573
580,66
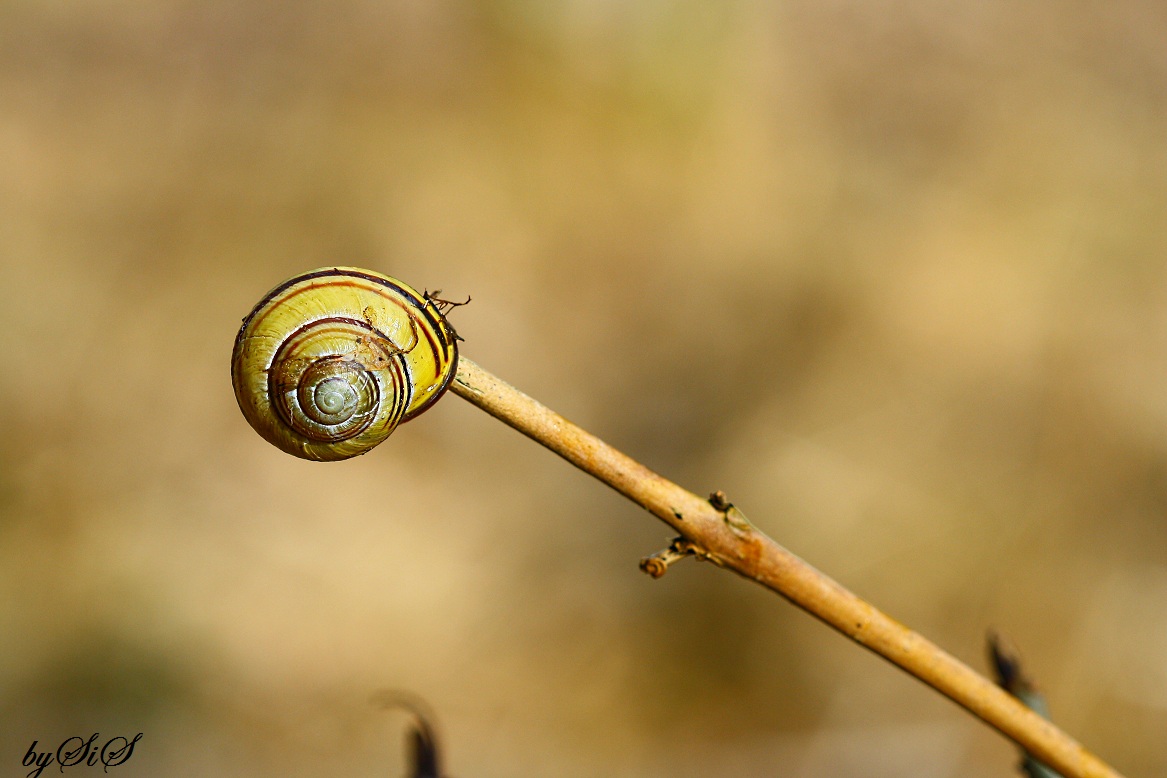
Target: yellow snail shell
x,y
331,361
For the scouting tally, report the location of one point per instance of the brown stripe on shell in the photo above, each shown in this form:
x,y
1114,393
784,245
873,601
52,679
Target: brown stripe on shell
x,y
320,326
435,321
451,354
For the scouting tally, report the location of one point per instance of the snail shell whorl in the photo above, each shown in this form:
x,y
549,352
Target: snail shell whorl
x,y
329,362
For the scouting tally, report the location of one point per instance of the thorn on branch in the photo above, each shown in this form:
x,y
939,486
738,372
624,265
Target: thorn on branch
x,y
657,564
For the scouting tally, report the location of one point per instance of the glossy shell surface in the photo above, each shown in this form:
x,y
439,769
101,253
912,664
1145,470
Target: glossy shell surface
x,y
331,361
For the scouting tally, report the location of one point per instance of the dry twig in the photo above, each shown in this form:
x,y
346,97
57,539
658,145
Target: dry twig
x,y
715,530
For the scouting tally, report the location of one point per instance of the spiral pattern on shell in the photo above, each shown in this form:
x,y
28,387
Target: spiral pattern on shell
x,y
331,361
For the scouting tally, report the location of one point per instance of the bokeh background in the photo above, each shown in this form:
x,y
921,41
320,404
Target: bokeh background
x,y
893,275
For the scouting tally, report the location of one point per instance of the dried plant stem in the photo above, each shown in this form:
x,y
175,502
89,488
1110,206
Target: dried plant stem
x,y
718,532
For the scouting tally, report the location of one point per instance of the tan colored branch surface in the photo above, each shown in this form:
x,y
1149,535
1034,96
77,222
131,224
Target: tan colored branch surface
x,y
721,534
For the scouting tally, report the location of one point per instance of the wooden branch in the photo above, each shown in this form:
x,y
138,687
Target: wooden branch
x,y
715,530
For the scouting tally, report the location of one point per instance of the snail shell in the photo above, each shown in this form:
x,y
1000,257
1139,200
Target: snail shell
x,y
331,361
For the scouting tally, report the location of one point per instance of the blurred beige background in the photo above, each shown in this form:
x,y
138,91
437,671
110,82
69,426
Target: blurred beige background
x,y
893,275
